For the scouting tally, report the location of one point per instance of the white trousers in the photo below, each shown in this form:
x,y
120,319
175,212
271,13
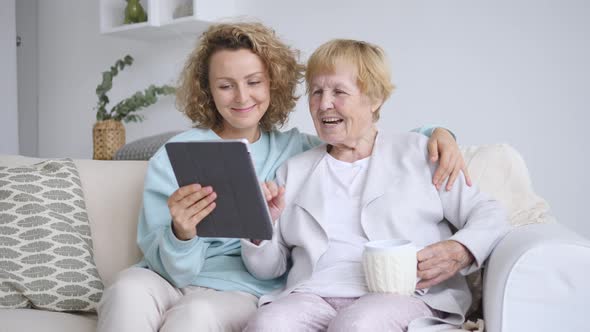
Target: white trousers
x,y
141,300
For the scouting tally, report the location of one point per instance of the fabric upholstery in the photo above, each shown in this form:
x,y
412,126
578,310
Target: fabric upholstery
x,y
536,280
30,320
499,170
143,148
46,257
113,196
113,199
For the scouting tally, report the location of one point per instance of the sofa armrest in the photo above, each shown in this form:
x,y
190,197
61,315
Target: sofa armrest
x,y
536,280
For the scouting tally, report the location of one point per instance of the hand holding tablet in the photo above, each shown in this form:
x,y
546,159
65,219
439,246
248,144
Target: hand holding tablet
x,y
188,206
239,207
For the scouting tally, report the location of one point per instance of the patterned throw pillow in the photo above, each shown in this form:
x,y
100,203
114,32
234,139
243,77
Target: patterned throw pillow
x,y
46,258
144,148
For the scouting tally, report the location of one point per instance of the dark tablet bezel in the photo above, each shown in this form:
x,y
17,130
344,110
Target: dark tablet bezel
x,y
241,210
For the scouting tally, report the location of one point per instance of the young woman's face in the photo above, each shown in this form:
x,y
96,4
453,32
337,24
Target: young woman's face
x,y
240,87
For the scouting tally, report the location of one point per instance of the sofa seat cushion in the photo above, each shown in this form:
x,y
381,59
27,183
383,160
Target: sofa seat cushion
x,y
21,320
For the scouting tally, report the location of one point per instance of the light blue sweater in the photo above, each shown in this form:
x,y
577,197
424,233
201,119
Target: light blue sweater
x,y
208,262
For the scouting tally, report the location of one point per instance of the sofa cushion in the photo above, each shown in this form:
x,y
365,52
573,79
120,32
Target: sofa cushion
x,y
500,171
144,148
19,320
113,192
46,257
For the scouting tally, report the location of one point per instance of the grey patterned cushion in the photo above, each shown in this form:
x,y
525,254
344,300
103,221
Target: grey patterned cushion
x,y
144,148
46,258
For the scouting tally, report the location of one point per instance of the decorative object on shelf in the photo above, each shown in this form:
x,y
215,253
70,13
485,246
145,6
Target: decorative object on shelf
x,y
183,10
166,19
109,133
134,12
107,136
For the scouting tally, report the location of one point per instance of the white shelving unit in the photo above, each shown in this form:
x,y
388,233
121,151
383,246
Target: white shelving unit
x,y
166,18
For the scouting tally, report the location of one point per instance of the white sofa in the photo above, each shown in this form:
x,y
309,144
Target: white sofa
x,y
535,279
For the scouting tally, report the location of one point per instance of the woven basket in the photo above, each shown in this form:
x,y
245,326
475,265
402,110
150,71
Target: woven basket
x,y
108,137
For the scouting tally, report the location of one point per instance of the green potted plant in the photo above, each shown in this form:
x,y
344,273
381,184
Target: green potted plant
x,y
109,132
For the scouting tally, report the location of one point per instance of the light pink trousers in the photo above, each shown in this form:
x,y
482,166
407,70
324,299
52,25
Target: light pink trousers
x,y
309,312
141,300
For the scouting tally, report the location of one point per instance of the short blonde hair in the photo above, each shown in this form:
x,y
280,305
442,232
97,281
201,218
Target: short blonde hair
x,y
370,62
193,96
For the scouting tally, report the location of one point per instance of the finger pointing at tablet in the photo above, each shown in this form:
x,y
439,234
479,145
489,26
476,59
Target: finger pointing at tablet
x,y
188,206
275,197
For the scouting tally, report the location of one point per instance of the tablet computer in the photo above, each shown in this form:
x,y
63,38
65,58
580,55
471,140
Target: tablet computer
x,y
241,210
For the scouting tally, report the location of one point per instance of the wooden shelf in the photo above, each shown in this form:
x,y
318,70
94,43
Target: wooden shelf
x,y
163,22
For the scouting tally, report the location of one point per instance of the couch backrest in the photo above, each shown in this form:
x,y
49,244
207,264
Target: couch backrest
x,y
113,193
499,170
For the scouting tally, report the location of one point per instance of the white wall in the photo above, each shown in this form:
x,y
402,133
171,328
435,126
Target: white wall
x,y
72,57
28,77
492,71
8,83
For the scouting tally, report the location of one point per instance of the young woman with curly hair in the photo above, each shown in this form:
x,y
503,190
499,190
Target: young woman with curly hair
x,y
239,82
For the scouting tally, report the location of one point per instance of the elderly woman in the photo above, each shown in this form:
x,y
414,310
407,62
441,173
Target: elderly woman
x,y
364,185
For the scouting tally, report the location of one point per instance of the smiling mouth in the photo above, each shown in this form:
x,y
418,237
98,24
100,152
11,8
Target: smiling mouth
x,y
246,109
332,121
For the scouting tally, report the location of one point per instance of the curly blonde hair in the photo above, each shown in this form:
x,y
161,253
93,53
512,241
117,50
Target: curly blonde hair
x,y
193,95
369,60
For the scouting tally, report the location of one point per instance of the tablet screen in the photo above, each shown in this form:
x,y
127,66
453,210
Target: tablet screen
x,y
241,210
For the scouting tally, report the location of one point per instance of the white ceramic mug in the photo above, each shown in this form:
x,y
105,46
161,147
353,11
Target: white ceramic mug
x,y
391,266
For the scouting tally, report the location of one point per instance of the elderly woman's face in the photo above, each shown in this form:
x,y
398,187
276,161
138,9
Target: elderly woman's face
x,y
341,113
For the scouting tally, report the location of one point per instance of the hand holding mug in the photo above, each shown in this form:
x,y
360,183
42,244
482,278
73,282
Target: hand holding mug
x,y
440,261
